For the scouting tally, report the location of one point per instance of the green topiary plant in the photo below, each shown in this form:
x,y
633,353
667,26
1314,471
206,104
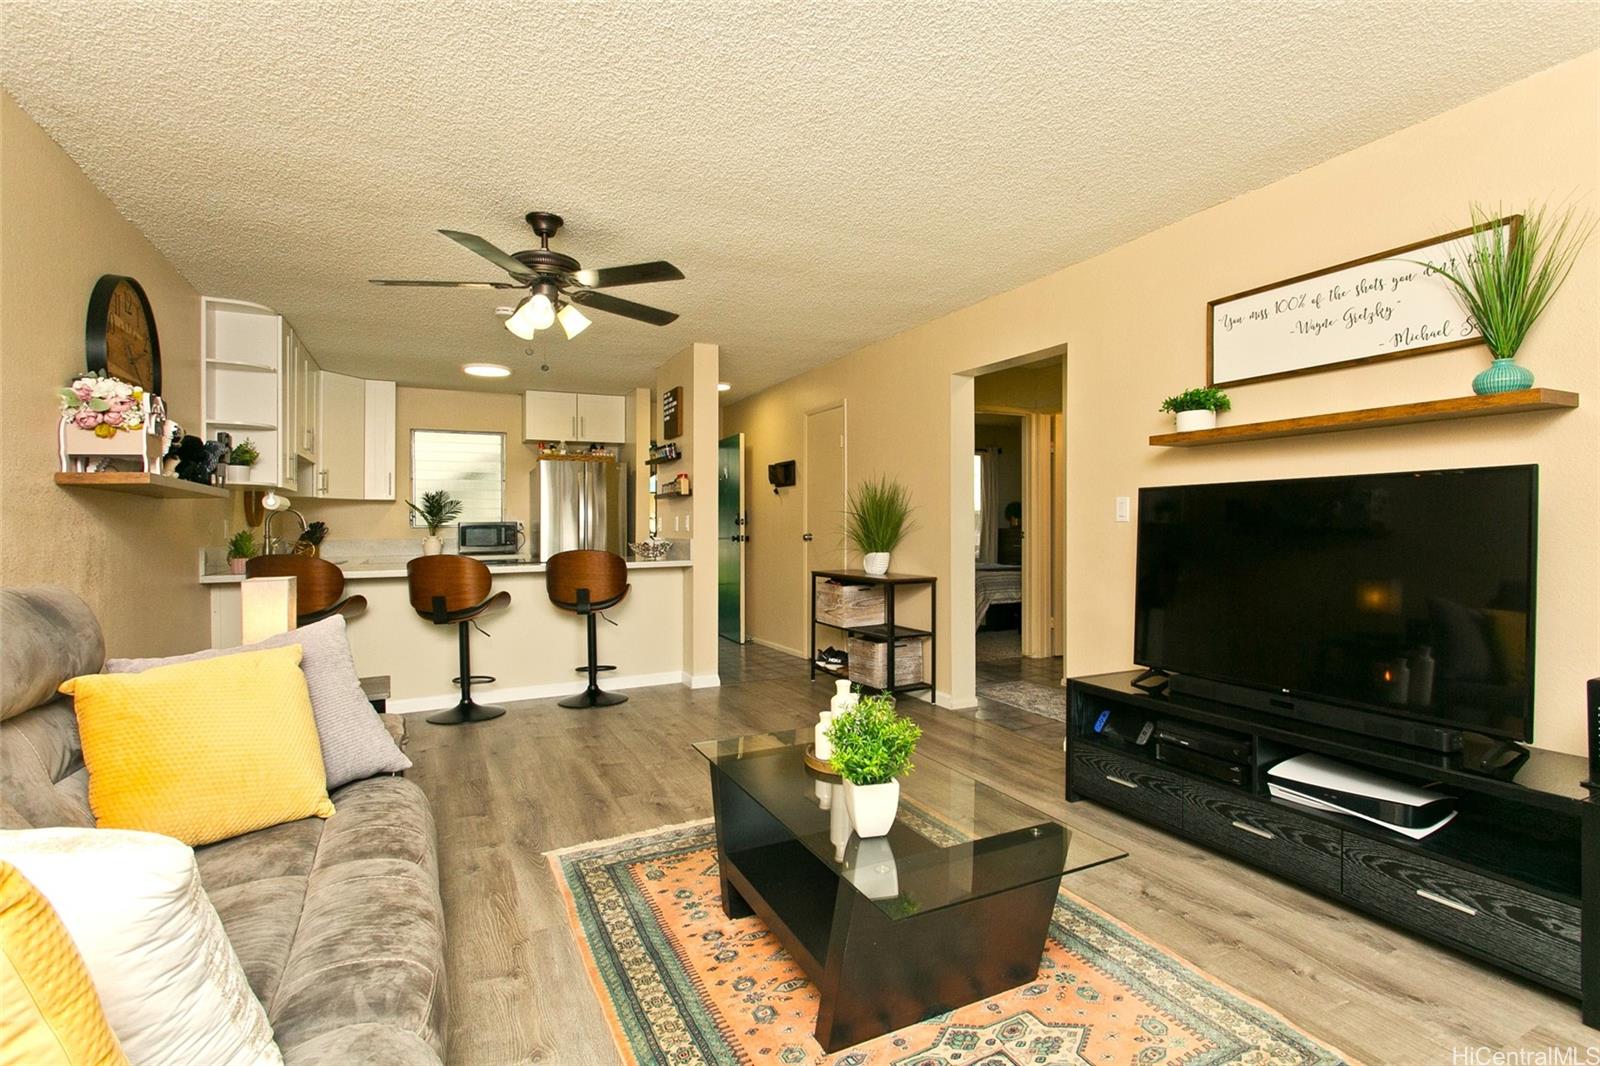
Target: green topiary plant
x,y
438,509
1202,399
1508,281
872,744
242,545
244,453
878,515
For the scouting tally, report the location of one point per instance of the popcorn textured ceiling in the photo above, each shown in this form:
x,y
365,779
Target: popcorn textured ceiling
x,y
825,175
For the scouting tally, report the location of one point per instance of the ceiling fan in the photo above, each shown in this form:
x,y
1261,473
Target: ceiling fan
x,y
557,282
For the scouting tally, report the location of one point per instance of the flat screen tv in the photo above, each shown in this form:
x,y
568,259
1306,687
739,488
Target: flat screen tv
x,y
1371,597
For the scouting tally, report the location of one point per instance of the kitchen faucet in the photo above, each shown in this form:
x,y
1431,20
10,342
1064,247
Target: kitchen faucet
x,y
267,530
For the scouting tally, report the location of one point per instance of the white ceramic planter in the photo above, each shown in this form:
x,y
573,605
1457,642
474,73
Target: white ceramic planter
x,y
875,562
236,474
1189,421
432,545
872,807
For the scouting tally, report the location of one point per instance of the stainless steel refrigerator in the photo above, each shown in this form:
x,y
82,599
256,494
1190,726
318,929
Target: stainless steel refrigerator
x,y
578,502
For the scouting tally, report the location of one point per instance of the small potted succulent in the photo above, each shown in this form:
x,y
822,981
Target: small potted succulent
x,y
877,518
1197,408
241,548
872,746
438,510
241,457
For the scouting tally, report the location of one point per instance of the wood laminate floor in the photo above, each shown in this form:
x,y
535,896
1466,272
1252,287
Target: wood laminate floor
x,y
544,777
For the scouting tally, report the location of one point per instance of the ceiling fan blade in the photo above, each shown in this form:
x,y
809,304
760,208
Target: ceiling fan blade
x,y
451,284
635,274
626,308
474,243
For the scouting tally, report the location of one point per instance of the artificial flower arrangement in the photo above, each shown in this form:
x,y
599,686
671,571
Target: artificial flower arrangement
x,y
103,405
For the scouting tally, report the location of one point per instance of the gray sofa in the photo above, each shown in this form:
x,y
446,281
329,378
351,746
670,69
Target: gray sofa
x,y
337,922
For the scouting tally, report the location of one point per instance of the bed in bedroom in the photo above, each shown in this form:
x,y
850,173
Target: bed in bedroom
x,y
995,583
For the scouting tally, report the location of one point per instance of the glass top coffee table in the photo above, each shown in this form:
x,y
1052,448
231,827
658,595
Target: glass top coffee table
x,y
951,907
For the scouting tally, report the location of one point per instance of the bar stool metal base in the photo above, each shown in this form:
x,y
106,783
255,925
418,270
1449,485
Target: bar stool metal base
x,y
465,712
593,697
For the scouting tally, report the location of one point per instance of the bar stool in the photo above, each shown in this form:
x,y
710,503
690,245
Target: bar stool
x,y
586,583
454,590
318,584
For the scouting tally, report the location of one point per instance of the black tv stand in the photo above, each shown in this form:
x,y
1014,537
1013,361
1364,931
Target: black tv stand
x,y
1504,881
1348,719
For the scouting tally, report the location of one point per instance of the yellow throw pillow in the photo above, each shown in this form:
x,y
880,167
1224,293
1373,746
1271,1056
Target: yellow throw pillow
x,y
202,751
49,1011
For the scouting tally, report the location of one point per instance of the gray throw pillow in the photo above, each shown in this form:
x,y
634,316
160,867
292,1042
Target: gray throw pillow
x,y
354,742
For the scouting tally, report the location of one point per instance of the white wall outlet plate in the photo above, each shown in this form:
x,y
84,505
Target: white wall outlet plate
x,y
1124,509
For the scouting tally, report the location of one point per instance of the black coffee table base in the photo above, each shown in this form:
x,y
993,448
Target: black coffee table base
x,y
875,973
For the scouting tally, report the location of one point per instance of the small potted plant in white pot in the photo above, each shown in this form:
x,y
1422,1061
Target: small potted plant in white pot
x,y
872,747
877,518
241,549
241,457
438,510
1197,408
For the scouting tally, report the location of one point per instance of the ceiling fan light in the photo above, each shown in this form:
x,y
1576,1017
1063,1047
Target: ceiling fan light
x,y
541,311
573,321
521,321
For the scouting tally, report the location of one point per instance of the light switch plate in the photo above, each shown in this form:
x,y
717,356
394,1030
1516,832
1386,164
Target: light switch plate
x,y
1124,509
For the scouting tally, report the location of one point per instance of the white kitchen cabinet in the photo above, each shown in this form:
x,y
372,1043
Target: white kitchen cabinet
x,y
244,384
379,440
341,436
570,416
602,418
306,402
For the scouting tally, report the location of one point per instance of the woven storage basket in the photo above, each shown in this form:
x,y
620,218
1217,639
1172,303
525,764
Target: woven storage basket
x,y
869,661
849,605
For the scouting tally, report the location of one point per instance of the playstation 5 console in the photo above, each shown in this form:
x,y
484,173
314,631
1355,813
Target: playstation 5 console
x,y
1329,785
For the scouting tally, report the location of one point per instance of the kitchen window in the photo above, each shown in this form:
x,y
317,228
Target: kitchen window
x,y
469,466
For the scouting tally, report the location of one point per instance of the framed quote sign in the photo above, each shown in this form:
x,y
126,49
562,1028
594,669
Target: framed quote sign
x,y
1384,306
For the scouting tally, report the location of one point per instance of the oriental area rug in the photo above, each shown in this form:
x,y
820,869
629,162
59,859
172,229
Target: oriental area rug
x,y
680,983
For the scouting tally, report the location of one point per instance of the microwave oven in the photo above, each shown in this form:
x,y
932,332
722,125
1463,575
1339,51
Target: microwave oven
x,y
489,538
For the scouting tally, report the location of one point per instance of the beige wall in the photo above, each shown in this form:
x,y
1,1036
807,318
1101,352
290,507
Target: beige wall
x,y
1133,321
417,408
694,518
134,559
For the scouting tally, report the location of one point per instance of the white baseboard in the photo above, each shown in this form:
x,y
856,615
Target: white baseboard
x,y
700,680
505,694
775,646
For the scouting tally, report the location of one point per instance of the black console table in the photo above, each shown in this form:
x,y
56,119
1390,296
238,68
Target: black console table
x,y
1504,881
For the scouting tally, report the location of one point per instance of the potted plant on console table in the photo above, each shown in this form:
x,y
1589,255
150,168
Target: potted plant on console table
x,y
438,510
877,519
872,747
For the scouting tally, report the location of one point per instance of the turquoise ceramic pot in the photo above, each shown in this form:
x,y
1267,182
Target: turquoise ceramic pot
x,y
1502,375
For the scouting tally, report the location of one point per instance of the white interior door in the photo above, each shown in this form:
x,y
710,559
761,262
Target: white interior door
x,y
823,480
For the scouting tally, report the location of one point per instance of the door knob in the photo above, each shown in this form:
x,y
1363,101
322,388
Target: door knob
x,y
805,536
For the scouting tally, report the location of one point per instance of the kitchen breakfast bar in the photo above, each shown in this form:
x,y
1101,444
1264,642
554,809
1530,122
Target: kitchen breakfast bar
x,y
532,648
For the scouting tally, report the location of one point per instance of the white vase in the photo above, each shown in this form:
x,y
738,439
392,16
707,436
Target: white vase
x,y
875,563
432,545
872,807
236,474
1189,421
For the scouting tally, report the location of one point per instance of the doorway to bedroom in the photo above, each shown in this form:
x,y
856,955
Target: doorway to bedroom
x,y
1018,515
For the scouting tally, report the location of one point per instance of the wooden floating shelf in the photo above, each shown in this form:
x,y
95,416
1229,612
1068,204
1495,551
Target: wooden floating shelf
x,y
1503,403
141,484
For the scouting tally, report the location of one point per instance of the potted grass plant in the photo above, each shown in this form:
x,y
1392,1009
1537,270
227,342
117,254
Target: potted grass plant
x,y
438,510
241,549
241,457
872,747
1509,276
1197,408
877,519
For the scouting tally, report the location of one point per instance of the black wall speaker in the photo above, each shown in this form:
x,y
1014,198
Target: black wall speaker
x,y
1594,734
781,475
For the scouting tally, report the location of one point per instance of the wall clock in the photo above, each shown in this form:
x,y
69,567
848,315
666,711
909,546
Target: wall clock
x,y
121,333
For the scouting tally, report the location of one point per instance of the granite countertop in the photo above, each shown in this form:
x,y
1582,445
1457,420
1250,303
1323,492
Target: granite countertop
x,y
370,570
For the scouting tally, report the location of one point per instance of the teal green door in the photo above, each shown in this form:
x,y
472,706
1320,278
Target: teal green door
x,y
730,537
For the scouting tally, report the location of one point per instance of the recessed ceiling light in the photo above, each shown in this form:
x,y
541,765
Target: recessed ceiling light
x,y
486,370
723,386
